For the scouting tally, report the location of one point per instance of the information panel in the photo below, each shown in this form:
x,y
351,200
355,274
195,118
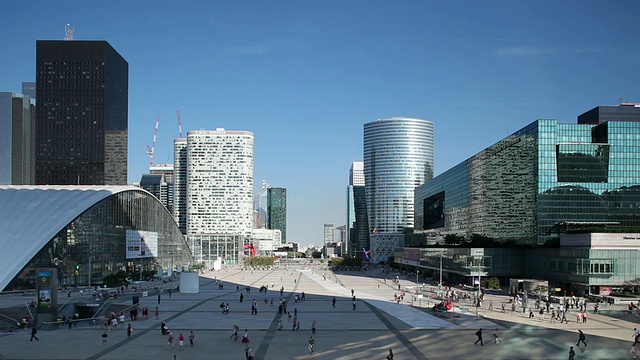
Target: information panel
x,y
142,244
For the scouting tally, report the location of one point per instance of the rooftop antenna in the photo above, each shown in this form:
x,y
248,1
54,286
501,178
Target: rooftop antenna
x,y
68,32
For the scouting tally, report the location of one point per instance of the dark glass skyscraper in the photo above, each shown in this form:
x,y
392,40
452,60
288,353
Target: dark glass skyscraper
x,y
277,210
82,113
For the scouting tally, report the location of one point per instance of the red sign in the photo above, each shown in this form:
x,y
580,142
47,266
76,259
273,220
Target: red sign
x,y
605,290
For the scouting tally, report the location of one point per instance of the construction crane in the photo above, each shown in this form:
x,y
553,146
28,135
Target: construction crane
x,y
151,149
179,123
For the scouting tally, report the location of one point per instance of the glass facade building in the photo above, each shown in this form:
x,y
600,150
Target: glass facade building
x,y
277,210
17,139
547,173
93,243
82,113
398,157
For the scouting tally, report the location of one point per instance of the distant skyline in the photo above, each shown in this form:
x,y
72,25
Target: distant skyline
x,y
305,77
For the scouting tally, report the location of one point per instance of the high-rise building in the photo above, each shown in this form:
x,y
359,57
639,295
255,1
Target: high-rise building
x,y
17,139
166,170
220,182
82,113
357,228
398,157
180,183
277,210
29,89
328,234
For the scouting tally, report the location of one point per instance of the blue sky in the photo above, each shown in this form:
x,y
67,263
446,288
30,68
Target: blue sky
x,y
305,76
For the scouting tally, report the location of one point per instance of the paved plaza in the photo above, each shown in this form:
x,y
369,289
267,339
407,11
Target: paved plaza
x,y
365,331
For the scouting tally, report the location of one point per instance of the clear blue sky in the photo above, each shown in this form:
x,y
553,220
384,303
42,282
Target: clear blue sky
x,y
305,76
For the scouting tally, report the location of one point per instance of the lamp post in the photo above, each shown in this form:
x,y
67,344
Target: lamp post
x,y
440,283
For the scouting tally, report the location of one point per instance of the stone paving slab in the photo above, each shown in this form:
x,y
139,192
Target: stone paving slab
x,y
367,333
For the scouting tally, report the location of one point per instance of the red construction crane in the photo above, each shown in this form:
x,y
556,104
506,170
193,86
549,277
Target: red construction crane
x,y
151,149
179,123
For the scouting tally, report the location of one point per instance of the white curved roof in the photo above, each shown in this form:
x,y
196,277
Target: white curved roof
x,y
30,216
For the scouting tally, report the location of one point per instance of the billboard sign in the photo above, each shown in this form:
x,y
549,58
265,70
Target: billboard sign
x,y
142,244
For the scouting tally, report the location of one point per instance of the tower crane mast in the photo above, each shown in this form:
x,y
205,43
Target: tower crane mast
x,y
151,150
179,123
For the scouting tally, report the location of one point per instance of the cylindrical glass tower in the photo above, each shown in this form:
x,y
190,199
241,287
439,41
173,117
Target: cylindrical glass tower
x,y
398,157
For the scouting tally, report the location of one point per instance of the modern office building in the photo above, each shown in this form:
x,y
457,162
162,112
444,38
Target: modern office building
x,y
17,139
158,187
398,157
29,89
357,228
266,241
86,233
530,189
82,113
524,187
180,183
277,210
166,170
220,182
328,237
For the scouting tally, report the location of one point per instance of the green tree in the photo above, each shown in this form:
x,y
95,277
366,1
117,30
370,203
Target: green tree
x,y
493,283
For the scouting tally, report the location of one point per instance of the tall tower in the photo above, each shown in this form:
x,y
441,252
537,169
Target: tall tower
x,y
180,183
277,210
357,228
82,113
220,182
398,157
17,146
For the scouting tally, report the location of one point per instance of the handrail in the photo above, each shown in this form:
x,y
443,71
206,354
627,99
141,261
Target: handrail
x,y
10,318
100,309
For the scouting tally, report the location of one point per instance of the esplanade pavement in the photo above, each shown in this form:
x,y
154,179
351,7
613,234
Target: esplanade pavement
x,y
364,329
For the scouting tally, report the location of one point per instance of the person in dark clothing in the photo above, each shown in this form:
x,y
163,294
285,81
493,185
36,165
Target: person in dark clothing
x,y
390,356
34,331
479,335
581,338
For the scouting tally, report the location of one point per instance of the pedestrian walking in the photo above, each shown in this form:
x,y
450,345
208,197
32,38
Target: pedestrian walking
x,y
312,344
496,338
479,335
181,341
572,353
157,313
248,353
633,351
502,308
170,340
192,336
129,331
333,302
104,338
159,298
34,331
390,356
245,336
354,305
234,333
581,338
313,327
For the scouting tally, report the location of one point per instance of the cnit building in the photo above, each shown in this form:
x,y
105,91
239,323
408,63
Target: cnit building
x,y
522,201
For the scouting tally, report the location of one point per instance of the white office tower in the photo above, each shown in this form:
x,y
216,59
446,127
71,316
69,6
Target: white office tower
x,y
398,157
220,182
356,173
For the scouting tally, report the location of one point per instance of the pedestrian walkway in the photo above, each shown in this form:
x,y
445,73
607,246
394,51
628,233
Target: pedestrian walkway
x,y
376,325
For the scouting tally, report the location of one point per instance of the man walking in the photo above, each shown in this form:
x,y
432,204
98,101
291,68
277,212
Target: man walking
x,y
581,338
34,331
311,344
333,302
479,335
